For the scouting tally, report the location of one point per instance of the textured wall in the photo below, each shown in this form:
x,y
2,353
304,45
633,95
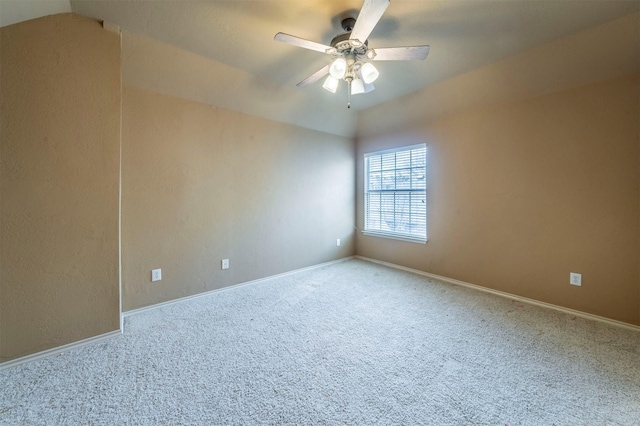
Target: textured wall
x,y
59,139
522,193
201,184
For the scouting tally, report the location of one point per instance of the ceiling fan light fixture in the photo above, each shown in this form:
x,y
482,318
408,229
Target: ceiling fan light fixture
x,y
338,68
331,84
369,73
357,86
369,87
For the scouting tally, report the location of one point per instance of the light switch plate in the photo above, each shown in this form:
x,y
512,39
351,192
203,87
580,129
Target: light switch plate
x,y
156,274
225,263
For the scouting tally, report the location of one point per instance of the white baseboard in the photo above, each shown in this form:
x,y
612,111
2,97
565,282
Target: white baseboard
x,y
206,293
59,349
508,295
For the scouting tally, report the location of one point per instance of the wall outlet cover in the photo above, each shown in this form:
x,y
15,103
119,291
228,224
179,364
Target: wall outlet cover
x,y
225,263
156,274
338,242
575,279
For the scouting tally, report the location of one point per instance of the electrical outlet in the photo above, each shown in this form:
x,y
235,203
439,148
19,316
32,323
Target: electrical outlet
x,y
338,242
225,263
156,274
575,279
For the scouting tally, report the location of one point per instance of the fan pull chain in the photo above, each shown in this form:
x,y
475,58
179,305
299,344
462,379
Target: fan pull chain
x,y
349,95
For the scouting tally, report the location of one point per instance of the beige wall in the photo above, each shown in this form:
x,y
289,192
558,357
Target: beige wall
x,y
522,193
202,183
59,139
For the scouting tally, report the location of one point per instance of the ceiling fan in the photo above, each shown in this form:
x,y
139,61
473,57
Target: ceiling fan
x,y
351,54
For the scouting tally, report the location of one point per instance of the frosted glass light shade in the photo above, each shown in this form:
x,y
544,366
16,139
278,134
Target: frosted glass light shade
x,y
357,87
331,84
338,68
369,73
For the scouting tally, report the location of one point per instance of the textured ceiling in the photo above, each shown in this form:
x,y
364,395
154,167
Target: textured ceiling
x,y
14,11
193,49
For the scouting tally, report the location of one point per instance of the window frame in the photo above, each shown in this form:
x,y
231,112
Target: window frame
x,y
391,234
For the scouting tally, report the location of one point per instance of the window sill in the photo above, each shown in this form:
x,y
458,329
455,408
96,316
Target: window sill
x,y
395,237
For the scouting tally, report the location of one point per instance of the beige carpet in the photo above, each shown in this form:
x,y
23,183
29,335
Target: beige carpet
x,y
353,343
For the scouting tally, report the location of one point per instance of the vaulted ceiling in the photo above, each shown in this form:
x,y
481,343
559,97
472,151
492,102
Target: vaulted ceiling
x,y
223,52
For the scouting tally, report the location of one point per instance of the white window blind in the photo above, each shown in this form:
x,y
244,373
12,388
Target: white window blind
x,y
395,194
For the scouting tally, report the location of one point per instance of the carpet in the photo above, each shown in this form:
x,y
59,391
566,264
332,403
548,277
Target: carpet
x,y
352,343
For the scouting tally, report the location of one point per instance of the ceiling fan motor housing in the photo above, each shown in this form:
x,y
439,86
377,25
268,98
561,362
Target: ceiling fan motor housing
x,y
343,45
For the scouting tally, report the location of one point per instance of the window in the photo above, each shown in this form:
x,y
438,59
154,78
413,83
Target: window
x,y
395,193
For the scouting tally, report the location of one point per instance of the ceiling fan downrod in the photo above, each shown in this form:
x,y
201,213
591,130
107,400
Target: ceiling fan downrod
x,y
348,24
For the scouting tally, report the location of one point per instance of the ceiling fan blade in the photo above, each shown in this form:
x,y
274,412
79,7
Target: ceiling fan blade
x,y
369,16
300,42
408,53
314,77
